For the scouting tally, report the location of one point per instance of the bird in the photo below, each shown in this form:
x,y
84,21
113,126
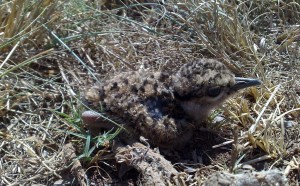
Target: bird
x,y
164,107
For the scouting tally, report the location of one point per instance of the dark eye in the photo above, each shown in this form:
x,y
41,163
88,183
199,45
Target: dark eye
x,y
214,91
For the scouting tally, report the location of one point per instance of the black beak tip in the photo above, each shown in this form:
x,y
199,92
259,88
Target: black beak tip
x,y
241,83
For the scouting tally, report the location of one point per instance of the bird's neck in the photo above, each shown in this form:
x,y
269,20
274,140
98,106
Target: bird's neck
x,y
195,110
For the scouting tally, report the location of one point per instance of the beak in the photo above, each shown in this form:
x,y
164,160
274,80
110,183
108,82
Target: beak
x,y
241,83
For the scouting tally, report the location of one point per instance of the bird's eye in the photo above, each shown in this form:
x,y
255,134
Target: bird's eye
x,y
214,91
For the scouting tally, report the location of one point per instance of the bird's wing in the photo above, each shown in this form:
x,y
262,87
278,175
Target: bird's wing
x,y
145,104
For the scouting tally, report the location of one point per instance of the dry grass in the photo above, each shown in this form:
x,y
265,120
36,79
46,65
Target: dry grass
x,y
42,77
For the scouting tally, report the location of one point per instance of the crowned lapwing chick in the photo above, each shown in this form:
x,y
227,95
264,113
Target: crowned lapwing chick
x,y
162,106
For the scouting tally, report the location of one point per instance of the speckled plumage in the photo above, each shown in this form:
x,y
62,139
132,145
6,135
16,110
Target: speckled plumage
x,y
161,106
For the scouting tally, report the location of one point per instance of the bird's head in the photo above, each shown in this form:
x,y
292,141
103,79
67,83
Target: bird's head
x,y
202,85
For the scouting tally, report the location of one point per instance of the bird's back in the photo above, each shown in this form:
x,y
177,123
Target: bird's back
x,y
144,102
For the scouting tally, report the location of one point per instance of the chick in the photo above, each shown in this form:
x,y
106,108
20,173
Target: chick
x,y
163,107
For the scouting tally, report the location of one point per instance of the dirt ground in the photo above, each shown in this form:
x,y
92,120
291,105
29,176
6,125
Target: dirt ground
x,y
53,52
